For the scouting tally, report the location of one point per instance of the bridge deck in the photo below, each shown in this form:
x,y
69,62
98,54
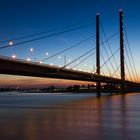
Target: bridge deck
x,y
24,68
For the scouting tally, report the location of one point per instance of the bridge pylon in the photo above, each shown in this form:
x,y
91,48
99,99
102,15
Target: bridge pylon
x,y
98,84
122,65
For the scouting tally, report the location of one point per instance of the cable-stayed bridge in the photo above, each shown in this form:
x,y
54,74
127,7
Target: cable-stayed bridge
x,y
15,66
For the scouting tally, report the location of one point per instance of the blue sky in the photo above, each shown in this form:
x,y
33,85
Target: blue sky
x,y
25,17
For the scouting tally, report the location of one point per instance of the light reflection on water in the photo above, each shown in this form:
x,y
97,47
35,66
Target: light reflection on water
x,y
69,117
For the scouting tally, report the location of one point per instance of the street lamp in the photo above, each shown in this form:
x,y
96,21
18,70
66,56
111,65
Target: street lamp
x,y
31,49
65,60
13,56
11,43
28,59
59,57
47,53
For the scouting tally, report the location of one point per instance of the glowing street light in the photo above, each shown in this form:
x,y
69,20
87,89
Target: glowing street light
x,y
40,62
47,54
59,57
31,49
11,43
33,54
13,56
28,59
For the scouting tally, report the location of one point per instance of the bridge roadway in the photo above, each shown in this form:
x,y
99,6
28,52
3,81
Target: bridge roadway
x,y
35,69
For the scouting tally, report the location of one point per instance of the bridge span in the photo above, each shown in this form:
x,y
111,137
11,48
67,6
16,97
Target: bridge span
x,y
35,69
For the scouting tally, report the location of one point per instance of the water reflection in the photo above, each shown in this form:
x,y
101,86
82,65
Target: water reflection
x,y
106,118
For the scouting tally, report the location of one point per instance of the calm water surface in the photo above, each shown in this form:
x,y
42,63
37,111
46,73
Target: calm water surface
x,y
30,116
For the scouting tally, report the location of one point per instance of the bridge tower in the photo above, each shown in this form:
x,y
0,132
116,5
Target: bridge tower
x,y
122,53
98,84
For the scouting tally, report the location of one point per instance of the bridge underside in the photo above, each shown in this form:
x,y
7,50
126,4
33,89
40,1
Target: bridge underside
x,y
24,68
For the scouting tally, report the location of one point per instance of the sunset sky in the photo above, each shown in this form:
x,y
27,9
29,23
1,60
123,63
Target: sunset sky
x,y
28,17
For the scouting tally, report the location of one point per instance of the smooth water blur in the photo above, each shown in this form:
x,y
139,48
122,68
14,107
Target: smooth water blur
x,y
32,116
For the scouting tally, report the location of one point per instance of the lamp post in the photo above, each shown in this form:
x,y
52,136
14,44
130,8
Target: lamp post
x,y
32,51
65,60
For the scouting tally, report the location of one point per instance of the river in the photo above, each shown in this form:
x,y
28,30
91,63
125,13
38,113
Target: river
x,y
47,116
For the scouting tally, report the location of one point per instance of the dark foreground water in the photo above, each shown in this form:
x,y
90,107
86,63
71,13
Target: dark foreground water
x,y
69,117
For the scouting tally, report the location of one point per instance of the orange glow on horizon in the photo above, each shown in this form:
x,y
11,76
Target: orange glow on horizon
x,y
23,81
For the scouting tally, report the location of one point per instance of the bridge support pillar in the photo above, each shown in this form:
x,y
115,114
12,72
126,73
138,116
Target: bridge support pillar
x,y
98,89
98,84
111,90
122,53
